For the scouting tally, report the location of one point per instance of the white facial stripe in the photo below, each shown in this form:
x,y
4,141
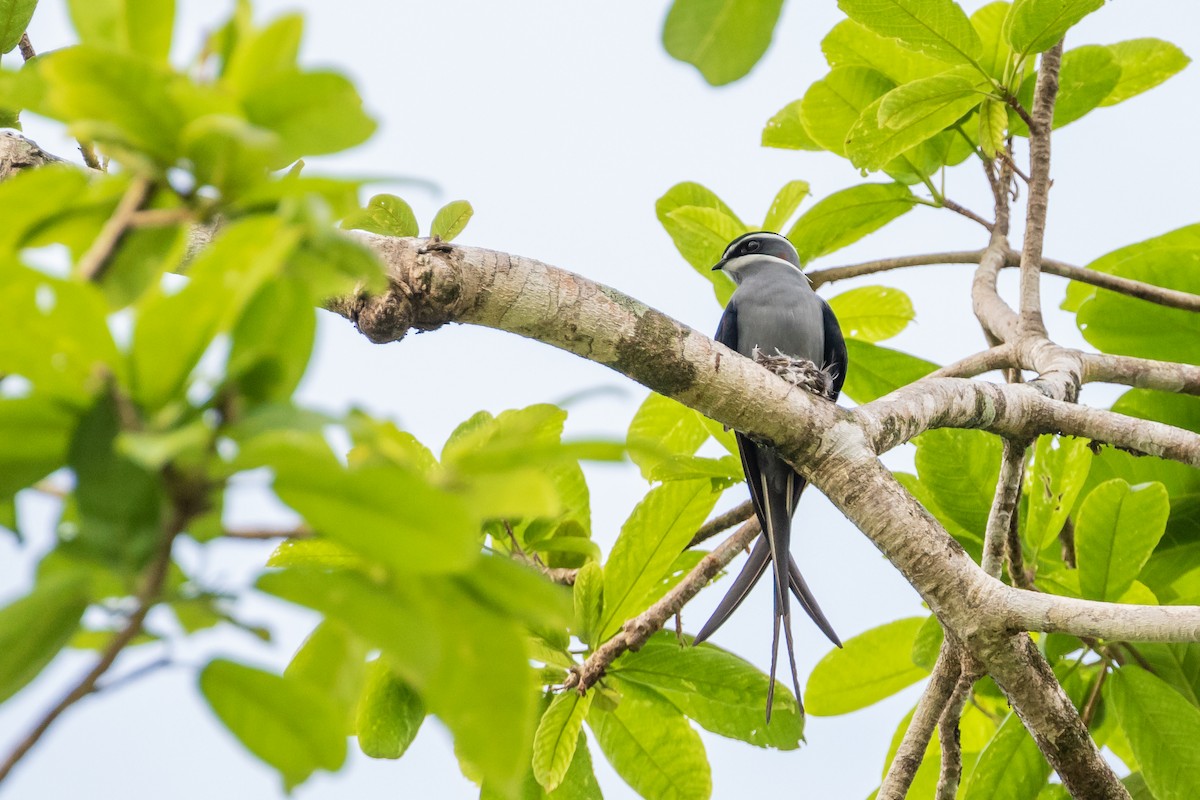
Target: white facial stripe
x,y
734,264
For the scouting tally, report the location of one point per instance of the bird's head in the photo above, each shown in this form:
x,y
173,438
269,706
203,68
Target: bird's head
x,y
760,248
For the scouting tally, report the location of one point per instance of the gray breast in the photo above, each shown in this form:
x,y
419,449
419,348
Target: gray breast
x,y
779,311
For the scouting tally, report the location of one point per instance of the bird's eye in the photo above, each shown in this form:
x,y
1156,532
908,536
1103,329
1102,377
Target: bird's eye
x,y
752,246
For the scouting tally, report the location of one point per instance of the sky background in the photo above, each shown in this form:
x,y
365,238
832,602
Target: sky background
x,y
562,123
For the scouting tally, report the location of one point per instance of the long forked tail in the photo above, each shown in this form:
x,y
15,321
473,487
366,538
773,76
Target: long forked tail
x,y
777,530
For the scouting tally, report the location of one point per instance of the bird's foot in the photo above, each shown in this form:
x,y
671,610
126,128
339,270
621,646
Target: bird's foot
x,y
435,244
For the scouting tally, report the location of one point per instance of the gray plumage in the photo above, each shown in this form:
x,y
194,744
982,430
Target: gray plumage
x,y
775,308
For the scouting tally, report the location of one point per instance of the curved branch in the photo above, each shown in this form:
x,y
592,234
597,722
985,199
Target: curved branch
x,y
1004,506
1143,373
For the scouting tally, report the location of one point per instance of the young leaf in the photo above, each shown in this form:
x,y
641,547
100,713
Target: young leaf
x,y
723,39
846,216
960,468
711,230
938,28
1034,26
34,628
389,713
1144,63
785,130
1011,766
1118,528
871,666
557,736
331,660
386,215
662,428
287,724
785,204
262,55
872,313
651,745
874,371
697,243
139,27
720,691
833,104
589,602
450,220
850,44
1088,75
1162,729
313,113
657,530
993,124
997,55
936,104
1057,475
14,19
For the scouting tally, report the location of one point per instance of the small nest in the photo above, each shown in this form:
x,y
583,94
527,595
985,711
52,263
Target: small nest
x,y
798,372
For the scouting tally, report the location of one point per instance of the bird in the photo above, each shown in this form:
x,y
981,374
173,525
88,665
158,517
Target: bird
x,y
774,308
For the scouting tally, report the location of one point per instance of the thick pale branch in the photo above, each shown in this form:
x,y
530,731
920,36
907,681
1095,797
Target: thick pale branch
x,y
1144,373
1037,611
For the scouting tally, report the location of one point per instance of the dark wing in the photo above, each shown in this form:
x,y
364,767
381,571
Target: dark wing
x,y
727,328
835,348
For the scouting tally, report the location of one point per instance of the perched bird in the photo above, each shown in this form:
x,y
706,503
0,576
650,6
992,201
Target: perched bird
x,y
775,309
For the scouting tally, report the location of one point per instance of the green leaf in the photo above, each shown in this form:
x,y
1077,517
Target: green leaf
x,y
386,215
937,28
662,428
332,661
451,219
1117,529
988,22
35,431
313,113
14,19
557,737
908,116
960,468
993,125
35,627
1177,663
847,216
972,542
928,643
871,666
872,313
1088,75
723,39
1034,26
1144,63
699,244
833,104
1055,479
389,714
727,469
262,55
657,531
721,692
1115,263
1162,729
1010,767
229,153
651,745
785,204
518,591
589,602
850,44
273,342
875,371
785,130
284,722
173,331
138,27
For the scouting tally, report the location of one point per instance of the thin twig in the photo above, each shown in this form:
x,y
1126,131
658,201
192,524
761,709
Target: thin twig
x,y
1089,706
26,47
966,212
734,516
266,534
1001,356
96,259
949,734
147,596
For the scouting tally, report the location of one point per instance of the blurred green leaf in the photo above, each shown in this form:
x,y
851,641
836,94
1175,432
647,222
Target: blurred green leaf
x,y
14,19
1010,767
1055,478
518,591
450,220
960,469
875,371
332,661
662,428
938,28
651,745
35,627
389,714
1144,63
588,602
847,216
1088,75
313,113
557,737
721,692
286,723
871,666
273,341
872,313
36,432
657,531
988,22
386,215
263,55
228,153
698,244
726,470
850,44
138,27
786,201
1162,728
785,130
993,125
1117,529
1034,26
723,39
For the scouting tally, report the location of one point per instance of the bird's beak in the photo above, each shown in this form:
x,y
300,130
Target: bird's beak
x,y
720,264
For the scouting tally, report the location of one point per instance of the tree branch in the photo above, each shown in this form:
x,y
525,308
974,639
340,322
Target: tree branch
x,y
1008,493
1144,373
734,516
949,736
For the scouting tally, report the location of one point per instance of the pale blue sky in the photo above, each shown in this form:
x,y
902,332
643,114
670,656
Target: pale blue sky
x,y
562,122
